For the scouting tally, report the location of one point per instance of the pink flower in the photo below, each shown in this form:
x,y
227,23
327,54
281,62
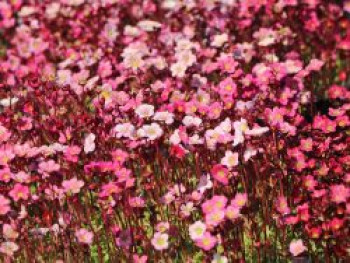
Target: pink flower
x,y
49,166
336,92
339,193
8,248
162,227
220,173
297,247
72,186
215,217
5,175
9,232
275,116
19,191
120,156
104,69
206,242
84,236
240,200
227,87
139,259
282,205
160,241
309,182
217,202
232,212
4,205
71,153
306,144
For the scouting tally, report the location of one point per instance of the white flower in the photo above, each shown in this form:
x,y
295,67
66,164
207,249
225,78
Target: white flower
x,y
124,130
170,4
26,11
191,121
9,232
186,57
178,69
195,139
226,125
219,40
257,131
219,259
230,159
145,110
8,101
133,60
250,152
240,128
52,10
160,241
204,183
175,138
151,132
293,66
64,77
158,62
89,143
149,25
197,230
183,44
165,116
131,31
8,248
76,2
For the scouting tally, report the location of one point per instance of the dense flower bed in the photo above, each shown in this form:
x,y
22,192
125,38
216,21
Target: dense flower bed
x,y
174,131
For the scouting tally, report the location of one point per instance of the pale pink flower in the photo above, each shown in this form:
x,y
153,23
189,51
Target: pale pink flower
x,y
230,159
84,236
339,193
4,205
232,212
215,217
197,230
297,247
160,241
206,242
89,143
162,227
9,232
48,166
240,200
145,111
72,186
8,248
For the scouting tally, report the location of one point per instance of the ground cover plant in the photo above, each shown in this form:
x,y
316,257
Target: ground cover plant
x,y
174,131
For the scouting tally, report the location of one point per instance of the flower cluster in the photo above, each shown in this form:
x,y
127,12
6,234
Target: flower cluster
x,y
185,131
